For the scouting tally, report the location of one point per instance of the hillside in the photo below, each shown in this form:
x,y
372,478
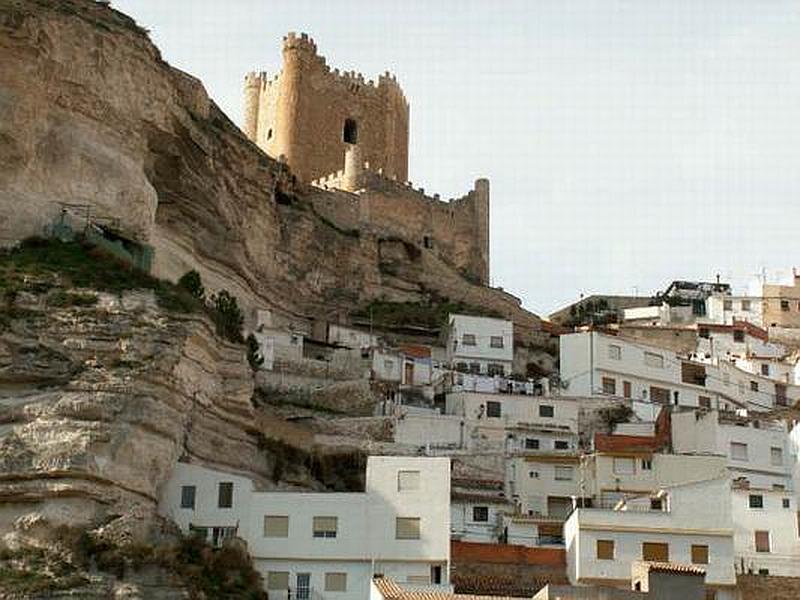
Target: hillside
x,y
91,115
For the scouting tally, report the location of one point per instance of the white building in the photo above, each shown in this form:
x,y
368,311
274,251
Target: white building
x,y
724,309
480,344
678,524
594,363
766,532
758,452
543,484
327,545
477,508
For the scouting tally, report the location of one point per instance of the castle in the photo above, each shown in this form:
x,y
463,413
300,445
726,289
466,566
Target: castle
x,y
341,133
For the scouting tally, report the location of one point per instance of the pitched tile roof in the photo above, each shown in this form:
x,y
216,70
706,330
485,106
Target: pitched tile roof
x,y
670,567
390,590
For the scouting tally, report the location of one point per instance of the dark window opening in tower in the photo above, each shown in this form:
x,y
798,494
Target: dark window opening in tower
x,y
269,134
350,133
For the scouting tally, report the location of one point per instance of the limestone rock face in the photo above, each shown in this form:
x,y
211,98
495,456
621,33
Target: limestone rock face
x,y
100,402
90,114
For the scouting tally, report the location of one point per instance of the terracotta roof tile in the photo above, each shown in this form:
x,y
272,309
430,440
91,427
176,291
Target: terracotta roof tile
x,y
390,590
670,567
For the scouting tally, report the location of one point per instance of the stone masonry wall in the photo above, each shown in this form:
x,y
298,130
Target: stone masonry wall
x,y
300,114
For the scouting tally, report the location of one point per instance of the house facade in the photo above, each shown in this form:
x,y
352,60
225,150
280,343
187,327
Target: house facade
x,y
326,545
480,345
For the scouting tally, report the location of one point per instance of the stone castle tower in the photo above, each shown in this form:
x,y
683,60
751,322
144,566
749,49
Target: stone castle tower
x,y
337,131
310,114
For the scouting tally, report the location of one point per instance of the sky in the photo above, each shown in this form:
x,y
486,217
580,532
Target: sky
x,y
628,143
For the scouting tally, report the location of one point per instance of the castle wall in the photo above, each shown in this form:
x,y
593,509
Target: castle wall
x,y
300,113
457,231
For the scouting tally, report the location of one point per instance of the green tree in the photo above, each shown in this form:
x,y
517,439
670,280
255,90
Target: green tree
x,y
228,316
192,283
254,356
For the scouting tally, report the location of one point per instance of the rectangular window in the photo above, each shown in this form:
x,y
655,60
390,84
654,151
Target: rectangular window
x,y
659,395
738,335
762,541
225,496
693,373
655,552
753,386
475,368
563,473
738,451
325,527
496,341
756,501
276,526
780,394
335,582
704,401
626,389
765,370
651,359
727,305
647,464
615,352
187,496
624,466
699,554
745,305
610,386
480,514
561,445
786,503
605,549
278,580
407,528
785,305
776,456
531,444
546,410
493,408
407,481
495,369
468,339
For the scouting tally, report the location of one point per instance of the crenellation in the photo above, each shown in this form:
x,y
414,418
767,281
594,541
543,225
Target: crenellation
x,y
342,131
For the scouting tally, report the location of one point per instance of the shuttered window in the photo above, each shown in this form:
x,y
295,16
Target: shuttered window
x,y
699,554
187,496
655,552
605,549
762,541
278,580
335,582
225,497
276,526
407,528
407,481
325,527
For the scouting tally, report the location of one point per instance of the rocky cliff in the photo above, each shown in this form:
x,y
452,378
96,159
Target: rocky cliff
x,y
91,115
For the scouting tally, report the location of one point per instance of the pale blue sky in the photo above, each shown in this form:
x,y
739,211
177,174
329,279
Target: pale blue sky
x,y
628,143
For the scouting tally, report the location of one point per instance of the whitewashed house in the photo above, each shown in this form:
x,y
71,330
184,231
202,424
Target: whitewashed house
x,y
725,309
759,453
677,524
477,508
766,532
327,545
594,363
480,345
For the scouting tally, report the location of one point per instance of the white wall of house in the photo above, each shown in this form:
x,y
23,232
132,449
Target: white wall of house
x,y
724,345
466,528
366,523
778,517
690,520
480,340
387,365
764,456
613,476
532,479
593,363
351,337
724,310
549,412
767,367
